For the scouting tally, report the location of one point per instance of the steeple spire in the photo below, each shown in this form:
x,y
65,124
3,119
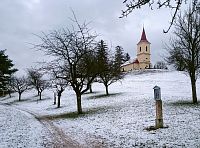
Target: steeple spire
x,y
143,37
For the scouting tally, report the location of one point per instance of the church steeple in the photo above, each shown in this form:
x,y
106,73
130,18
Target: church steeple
x,y
143,60
143,51
143,37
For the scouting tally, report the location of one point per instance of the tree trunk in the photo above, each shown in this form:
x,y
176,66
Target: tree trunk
x,y
9,92
20,96
106,89
90,88
54,98
59,96
79,107
194,94
40,94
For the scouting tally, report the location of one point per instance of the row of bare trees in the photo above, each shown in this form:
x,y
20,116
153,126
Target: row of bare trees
x,y
79,59
95,66
33,80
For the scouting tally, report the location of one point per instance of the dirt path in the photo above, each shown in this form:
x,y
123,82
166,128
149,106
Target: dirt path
x,y
58,138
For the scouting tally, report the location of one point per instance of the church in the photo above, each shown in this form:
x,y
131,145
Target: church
x,y
143,60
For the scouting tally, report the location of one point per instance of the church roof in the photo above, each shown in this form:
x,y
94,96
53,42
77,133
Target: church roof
x,y
143,37
126,63
136,61
131,61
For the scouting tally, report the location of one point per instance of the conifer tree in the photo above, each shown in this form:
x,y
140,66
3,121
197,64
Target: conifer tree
x,y
127,57
6,70
109,68
119,56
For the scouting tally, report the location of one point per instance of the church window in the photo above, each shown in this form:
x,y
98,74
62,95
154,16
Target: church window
x,y
146,48
140,49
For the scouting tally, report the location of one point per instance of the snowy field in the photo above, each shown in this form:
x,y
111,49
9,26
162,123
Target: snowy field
x,y
17,129
118,120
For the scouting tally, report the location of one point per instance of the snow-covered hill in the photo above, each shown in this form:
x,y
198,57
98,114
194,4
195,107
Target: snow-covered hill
x,y
120,119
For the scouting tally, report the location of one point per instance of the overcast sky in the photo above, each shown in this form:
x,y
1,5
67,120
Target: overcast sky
x,y
20,19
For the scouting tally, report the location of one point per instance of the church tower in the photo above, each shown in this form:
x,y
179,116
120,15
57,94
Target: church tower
x,y
143,52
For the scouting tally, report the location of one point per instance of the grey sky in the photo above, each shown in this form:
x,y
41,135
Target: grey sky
x,y
20,19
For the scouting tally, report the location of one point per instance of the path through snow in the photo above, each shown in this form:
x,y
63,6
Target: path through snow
x,y
22,128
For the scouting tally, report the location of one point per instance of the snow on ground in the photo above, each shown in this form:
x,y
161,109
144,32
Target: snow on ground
x,y
120,119
17,129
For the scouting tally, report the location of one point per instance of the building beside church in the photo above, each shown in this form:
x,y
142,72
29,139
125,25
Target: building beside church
x,y
142,61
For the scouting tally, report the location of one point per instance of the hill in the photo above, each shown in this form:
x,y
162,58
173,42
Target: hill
x,y
120,119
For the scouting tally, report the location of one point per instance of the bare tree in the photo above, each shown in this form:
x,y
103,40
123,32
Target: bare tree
x,y
42,85
71,47
19,85
37,82
171,4
90,67
60,85
34,76
160,65
184,49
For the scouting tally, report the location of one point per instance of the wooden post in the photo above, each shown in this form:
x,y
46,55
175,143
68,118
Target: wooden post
x,y
159,114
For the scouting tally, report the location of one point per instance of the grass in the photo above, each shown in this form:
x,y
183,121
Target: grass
x,y
185,104
93,92
103,96
71,115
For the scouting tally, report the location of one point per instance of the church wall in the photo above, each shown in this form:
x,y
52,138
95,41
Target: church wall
x,y
143,52
143,47
136,66
144,58
144,65
128,67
